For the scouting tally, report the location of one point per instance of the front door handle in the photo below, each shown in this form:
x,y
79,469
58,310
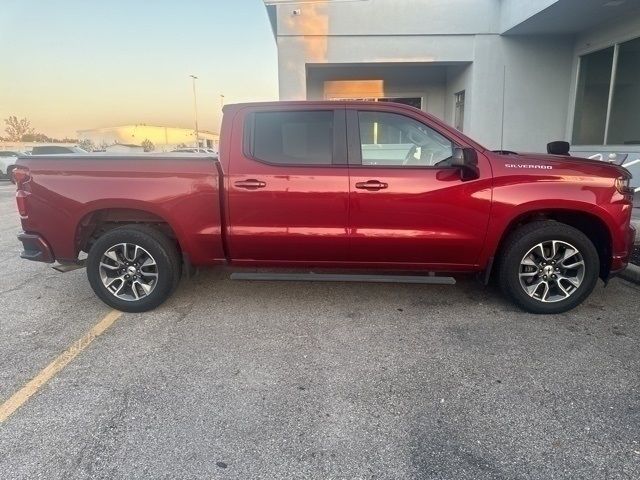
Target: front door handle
x,y
250,184
371,185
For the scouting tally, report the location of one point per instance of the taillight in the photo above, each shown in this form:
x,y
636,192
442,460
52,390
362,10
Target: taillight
x,y
21,200
20,176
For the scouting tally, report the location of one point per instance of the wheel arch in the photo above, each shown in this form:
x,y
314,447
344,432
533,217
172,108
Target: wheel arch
x,y
96,222
593,226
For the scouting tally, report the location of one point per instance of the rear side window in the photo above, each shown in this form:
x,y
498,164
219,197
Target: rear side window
x,y
292,138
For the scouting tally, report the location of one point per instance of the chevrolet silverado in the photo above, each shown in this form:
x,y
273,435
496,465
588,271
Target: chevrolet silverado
x,y
384,191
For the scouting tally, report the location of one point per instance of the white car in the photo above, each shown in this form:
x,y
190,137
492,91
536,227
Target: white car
x,y
7,161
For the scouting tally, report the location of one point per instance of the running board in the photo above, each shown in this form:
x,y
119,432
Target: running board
x,y
327,277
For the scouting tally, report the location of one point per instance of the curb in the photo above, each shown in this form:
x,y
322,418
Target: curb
x,y
631,273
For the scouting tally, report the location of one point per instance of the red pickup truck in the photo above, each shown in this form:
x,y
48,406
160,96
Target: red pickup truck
x,y
380,189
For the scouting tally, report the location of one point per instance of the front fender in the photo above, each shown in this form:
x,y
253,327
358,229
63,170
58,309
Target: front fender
x,y
514,202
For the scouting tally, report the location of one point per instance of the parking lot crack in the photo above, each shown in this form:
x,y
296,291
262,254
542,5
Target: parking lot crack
x,y
95,458
23,284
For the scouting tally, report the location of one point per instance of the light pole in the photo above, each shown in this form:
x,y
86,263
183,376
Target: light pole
x,y
221,111
195,109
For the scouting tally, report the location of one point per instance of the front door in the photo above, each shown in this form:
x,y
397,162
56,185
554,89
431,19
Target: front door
x,y
288,186
409,206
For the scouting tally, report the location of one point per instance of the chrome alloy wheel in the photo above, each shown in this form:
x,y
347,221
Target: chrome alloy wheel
x,y
552,271
128,271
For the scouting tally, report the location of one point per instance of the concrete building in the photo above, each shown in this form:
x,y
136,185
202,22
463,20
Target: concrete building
x,y
124,148
164,139
513,74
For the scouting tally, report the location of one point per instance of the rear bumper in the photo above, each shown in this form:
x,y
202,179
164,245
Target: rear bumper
x,y
36,248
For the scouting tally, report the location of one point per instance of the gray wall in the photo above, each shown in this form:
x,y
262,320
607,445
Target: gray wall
x,y
368,32
534,73
513,12
294,53
387,17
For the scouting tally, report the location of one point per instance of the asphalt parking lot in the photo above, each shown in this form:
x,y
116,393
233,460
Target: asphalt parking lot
x,y
270,380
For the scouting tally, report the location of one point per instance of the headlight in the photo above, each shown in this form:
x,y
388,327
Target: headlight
x,y
623,185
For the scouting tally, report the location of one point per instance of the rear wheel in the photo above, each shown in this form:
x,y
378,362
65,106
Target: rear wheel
x,y
133,268
548,267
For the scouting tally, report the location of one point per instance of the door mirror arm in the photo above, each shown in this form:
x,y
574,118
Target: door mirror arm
x,y
466,159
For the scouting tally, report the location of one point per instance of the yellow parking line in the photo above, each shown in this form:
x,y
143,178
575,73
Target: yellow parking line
x,y
50,371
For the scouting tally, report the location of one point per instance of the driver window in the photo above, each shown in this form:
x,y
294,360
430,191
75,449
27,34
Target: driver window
x,y
389,139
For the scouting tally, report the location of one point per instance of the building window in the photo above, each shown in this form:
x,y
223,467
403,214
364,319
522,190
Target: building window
x,y
459,113
594,84
608,96
624,122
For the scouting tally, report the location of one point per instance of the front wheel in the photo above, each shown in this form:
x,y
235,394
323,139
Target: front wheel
x,y
548,267
133,268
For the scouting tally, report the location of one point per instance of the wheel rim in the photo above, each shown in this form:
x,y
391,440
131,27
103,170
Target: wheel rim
x,y
128,272
552,271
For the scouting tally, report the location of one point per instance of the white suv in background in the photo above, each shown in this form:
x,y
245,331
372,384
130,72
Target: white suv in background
x,y
7,161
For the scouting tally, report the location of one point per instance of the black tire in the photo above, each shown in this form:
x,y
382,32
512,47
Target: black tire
x,y
527,237
160,247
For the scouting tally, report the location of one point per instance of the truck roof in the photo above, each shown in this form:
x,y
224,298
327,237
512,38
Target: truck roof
x,y
295,103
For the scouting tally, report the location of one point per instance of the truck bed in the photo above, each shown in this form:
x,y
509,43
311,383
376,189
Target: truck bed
x,y
71,193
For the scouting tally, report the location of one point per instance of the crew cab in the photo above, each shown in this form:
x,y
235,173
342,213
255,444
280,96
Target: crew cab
x,y
384,192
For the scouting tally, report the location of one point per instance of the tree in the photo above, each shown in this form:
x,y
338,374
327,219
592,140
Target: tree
x,y
35,137
148,145
16,129
87,145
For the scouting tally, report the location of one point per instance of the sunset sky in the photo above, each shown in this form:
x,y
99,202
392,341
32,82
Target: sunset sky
x,y
76,64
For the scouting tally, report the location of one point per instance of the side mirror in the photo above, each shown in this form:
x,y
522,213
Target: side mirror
x,y
466,159
558,148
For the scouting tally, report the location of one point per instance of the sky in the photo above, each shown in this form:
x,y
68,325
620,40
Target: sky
x,y
69,65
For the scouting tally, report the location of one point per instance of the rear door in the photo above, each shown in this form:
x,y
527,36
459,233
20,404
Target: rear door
x,y
408,205
288,186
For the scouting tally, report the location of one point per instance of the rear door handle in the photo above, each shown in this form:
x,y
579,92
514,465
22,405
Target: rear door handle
x,y
371,185
250,184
